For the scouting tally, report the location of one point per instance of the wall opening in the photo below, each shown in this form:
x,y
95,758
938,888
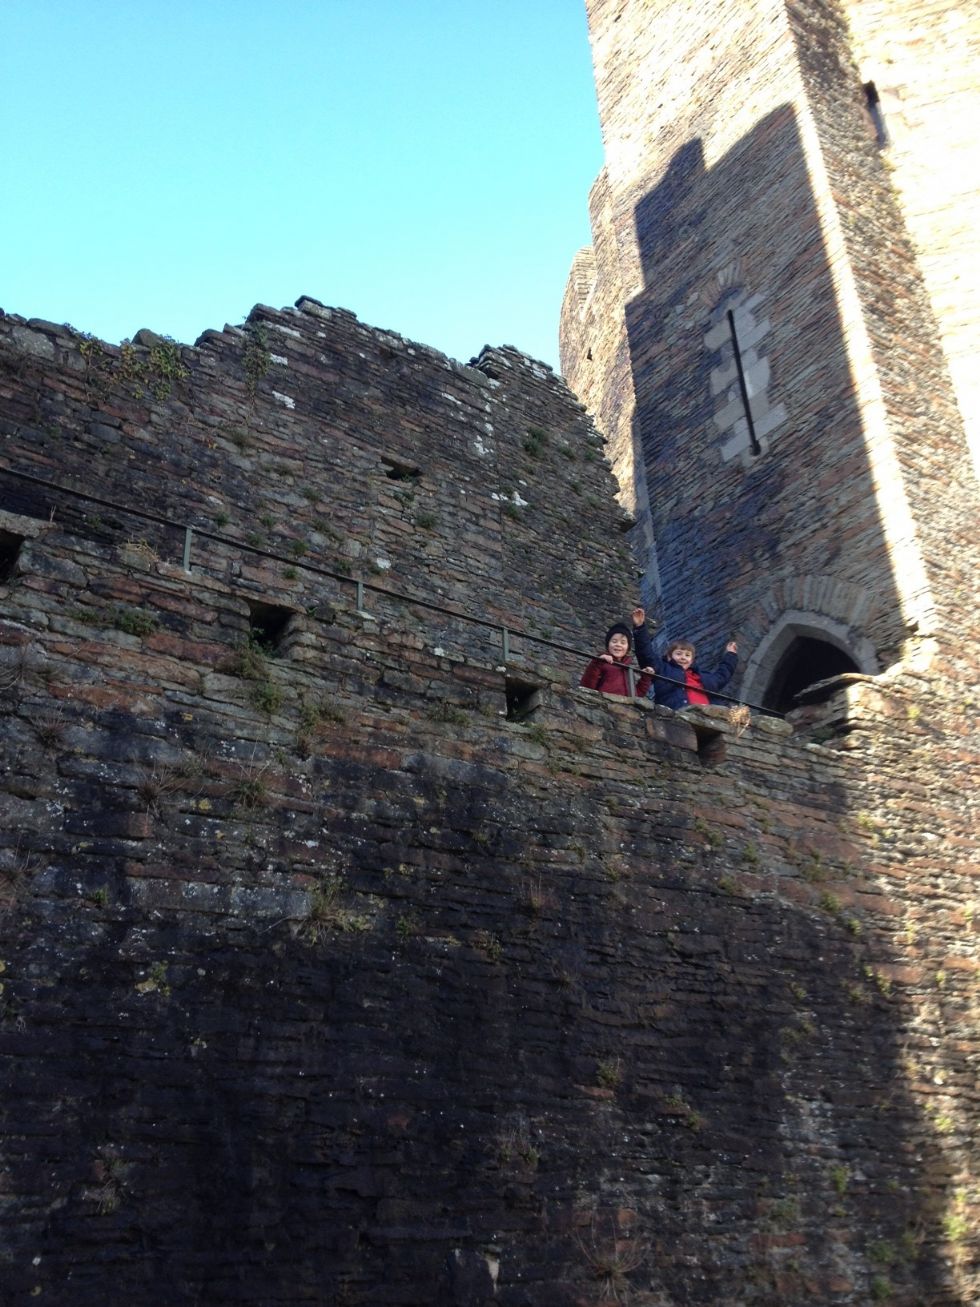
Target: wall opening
x,y
522,699
396,471
267,625
10,546
805,661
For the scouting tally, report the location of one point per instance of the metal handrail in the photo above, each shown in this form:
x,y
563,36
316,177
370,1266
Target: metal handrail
x,y
360,585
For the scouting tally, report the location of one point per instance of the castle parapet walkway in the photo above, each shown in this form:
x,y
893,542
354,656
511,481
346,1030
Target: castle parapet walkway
x,y
193,537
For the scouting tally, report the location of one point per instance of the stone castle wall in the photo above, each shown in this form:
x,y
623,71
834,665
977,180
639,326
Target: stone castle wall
x,y
742,176
327,980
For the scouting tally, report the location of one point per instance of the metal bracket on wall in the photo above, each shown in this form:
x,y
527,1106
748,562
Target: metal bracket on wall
x,y
359,602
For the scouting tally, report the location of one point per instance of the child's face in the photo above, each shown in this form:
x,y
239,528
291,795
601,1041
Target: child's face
x,y
618,645
682,657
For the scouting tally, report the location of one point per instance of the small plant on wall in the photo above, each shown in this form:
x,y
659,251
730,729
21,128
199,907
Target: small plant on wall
x,y
489,945
535,441
328,911
249,660
157,783
134,621
613,1251
50,728
248,787
267,697
516,1145
609,1072
256,358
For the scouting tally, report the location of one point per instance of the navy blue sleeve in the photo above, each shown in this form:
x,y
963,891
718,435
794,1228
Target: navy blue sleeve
x,y
645,657
723,673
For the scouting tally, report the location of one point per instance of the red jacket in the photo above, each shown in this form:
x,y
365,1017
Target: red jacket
x,y
611,678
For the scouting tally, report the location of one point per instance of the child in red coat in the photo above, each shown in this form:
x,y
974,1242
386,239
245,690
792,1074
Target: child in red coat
x,y
608,672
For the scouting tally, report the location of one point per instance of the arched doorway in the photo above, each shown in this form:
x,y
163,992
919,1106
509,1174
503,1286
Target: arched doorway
x,y
804,661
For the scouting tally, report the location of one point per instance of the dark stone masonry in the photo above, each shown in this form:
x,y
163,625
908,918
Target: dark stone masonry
x,y
758,258
350,958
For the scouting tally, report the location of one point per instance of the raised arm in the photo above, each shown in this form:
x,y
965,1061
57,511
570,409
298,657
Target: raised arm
x,y
722,674
642,642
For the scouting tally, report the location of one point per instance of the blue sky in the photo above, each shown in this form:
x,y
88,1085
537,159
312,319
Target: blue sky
x,y
425,163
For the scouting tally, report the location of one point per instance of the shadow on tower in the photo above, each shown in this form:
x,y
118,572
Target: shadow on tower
x,y
762,500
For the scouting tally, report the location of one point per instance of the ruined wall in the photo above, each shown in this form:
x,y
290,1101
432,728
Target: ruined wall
x,y
324,980
368,455
595,351
742,177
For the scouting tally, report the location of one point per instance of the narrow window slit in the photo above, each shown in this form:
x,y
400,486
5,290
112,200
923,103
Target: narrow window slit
x,y
754,445
877,117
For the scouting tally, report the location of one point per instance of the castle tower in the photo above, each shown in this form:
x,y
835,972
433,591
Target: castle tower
x,y
774,322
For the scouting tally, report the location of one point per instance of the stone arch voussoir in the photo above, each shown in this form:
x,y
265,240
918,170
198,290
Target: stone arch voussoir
x,y
815,606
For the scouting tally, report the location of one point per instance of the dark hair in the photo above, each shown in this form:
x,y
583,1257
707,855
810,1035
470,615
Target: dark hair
x,y
678,644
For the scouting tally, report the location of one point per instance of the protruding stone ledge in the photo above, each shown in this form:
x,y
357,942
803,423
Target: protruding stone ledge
x,y
714,725
701,730
17,524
